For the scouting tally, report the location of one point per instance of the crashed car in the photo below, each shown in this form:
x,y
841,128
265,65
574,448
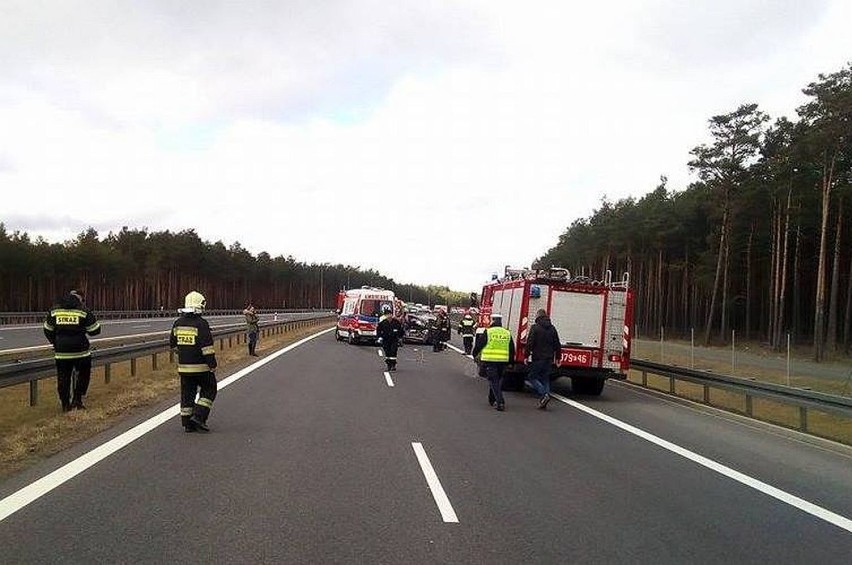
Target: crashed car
x,y
416,328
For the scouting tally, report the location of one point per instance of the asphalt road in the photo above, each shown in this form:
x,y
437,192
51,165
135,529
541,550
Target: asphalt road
x,y
32,336
313,458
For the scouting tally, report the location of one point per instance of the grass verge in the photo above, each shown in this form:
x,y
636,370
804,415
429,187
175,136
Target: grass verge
x,y
29,434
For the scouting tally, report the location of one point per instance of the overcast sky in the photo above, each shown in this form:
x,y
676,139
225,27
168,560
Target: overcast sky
x,y
433,141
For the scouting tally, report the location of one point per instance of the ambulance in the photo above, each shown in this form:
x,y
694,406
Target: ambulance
x,y
358,311
593,318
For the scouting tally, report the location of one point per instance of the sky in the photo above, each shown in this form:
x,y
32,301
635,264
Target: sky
x,y
432,141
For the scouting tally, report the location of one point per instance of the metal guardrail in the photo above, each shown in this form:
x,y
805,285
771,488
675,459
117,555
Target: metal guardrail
x,y
34,370
8,318
804,399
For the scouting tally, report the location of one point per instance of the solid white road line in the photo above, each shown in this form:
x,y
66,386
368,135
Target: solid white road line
x,y
447,512
454,348
44,485
785,497
388,379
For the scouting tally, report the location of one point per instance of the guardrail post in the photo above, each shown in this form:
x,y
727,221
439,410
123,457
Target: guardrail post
x,y
33,392
154,362
221,343
230,342
706,394
133,367
748,404
107,371
803,418
645,378
672,384
171,356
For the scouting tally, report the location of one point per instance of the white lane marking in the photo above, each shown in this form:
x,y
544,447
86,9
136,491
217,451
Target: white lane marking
x,y
388,379
141,326
44,485
380,353
447,512
785,497
456,349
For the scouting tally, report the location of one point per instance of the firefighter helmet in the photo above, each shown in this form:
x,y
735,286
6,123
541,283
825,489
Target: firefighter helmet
x,y
386,308
194,302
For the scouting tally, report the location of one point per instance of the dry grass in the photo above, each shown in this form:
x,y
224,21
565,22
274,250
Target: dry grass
x,y
31,434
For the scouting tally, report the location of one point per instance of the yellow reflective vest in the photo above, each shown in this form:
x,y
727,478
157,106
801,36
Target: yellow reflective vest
x,y
496,348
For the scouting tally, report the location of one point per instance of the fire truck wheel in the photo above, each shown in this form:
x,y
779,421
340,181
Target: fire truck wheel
x,y
590,387
337,335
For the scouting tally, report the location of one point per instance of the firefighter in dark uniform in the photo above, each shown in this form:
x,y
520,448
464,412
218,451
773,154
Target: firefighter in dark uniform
x,y
191,337
389,331
67,328
440,331
467,327
494,349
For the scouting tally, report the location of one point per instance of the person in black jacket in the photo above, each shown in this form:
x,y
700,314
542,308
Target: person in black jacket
x,y
543,349
67,328
191,337
389,331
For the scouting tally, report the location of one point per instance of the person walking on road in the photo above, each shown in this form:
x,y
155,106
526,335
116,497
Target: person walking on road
x,y
389,331
191,337
467,328
67,328
252,328
543,349
440,330
494,348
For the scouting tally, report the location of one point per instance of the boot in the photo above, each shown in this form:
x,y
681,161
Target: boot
x,y
77,403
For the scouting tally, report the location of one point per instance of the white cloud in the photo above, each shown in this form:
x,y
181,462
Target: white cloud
x,y
392,136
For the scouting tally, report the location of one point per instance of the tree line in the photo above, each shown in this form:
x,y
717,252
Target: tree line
x,y
757,247
137,269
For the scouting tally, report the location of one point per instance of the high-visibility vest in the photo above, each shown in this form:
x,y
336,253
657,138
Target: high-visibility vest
x,y
496,349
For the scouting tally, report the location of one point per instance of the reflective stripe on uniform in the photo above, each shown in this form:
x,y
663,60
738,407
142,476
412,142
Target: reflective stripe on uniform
x,y
93,327
496,349
208,350
193,368
49,327
72,355
206,402
186,411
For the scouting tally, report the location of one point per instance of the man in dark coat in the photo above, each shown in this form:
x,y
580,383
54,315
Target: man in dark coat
x,y
543,349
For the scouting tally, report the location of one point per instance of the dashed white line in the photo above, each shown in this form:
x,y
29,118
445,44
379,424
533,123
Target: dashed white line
x,y
785,497
841,522
388,379
441,499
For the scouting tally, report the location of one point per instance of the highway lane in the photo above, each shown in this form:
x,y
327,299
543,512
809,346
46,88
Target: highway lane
x,y
311,460
32,336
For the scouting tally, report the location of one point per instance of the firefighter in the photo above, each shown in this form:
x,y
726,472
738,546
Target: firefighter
x,y
191,337
467,327
389,331
494,349
440,330
67,328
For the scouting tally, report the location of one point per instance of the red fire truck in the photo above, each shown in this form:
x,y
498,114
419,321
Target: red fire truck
x,y
593,318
